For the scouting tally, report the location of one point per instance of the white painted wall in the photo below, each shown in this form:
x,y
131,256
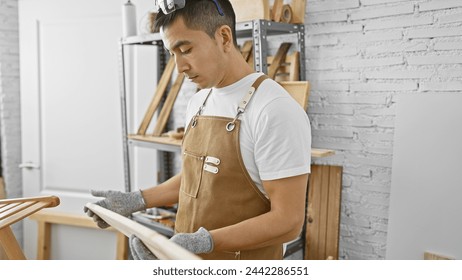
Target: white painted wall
x,y
426,189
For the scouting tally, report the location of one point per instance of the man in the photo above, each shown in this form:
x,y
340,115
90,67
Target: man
x,y
245,154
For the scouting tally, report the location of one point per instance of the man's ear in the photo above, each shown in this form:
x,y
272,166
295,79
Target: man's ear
x,y
226,37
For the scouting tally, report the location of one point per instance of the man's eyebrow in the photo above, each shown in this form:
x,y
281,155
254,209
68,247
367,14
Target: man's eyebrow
x,y
180,43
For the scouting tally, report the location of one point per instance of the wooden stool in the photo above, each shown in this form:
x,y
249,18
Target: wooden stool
x,y
45,220
14,210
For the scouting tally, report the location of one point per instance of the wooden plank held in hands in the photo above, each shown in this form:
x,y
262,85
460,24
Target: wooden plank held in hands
x,y
159,245
279,58
157,98
168,106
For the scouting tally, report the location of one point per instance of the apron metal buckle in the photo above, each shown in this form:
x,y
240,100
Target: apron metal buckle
x,y
230,126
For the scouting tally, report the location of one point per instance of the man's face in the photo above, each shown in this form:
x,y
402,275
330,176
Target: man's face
x,y
196,55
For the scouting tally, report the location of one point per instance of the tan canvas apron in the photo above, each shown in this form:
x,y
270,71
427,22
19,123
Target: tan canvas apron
x,y
216,189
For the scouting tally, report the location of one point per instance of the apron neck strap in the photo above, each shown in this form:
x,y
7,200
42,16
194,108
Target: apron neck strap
x,y
245,101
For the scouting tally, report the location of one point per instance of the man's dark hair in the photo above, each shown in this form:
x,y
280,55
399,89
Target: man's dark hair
x,y
202,15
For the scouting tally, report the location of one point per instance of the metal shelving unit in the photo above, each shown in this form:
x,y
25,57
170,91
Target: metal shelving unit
x,y
259,30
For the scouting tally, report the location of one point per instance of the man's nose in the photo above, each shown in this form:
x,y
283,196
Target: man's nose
x,y
181,64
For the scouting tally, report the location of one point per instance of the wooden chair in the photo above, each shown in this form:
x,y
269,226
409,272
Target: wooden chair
x,y
15,210
160,246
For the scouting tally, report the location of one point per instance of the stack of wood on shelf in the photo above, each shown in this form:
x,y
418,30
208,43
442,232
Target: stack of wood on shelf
x,y
165,110
285,69
294,12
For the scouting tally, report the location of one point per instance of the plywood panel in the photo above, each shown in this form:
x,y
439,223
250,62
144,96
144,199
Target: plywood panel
x,y
323,212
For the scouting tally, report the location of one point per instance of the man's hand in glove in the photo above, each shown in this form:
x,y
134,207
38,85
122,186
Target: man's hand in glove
x,y
139,250
198,242
119,202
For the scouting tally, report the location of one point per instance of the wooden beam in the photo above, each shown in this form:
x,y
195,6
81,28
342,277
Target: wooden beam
x,y
168,106
44,241
10,244
298,11
278,59
157,98
276,12
159,245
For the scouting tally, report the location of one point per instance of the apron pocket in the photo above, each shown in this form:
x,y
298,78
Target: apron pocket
x,y
191,176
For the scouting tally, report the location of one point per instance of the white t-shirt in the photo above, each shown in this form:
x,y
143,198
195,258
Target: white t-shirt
x,y
275,136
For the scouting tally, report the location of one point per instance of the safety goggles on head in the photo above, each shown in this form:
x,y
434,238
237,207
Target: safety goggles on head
x,y
168,6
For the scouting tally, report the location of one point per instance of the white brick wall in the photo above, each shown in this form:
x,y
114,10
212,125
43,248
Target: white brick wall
x,y
360,55
10,126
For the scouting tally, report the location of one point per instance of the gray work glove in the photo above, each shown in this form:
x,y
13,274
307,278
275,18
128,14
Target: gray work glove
x,y
138,250
122,203
199,242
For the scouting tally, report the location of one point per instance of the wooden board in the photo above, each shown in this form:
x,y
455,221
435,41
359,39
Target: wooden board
x,y
289,69
157,98
299,90
2,188
161,247
246,10
433,256
278,59
246,49
276,11
323,212
298,11
168,106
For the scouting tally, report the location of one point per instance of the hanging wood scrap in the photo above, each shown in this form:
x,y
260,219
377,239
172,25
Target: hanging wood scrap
x,y
157,98
168,106
323,212
286,14
278,59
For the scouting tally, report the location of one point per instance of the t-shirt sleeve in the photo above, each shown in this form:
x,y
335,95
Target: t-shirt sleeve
x,y
283,140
